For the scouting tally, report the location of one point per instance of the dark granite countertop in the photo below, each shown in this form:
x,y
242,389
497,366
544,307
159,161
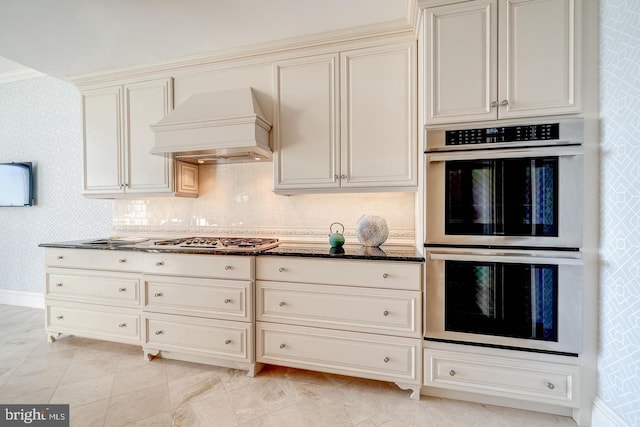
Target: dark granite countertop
x,y
383,253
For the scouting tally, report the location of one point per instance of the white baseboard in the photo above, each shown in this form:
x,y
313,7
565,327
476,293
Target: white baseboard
x,y
603,416
21,298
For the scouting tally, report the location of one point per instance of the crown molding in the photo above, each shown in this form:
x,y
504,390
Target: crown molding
x,y
22,74
399,27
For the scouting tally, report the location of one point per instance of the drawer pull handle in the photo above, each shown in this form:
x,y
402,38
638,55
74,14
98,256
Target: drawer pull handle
x,y
122,260
227,267
158,332
159,263
122,325
385,313
282,303
386,360
59,257
227,342
385,276
281,269
59,285
282,346
157,294
227,301
550,386
59,317
452,373
122,289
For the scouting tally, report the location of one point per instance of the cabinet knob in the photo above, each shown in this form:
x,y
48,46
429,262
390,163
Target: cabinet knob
x,y
335,177
59,257
385,313
281,269
504,103
227,301
227,267
343,176
452,373
59,317
122,260
159,263
385,276
494,104
59,285
386,360
122,289
227,342
158,332
550,386
282,346
157,294
122,325
281,303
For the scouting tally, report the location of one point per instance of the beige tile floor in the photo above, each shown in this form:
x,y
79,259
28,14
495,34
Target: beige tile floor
x,y
109,384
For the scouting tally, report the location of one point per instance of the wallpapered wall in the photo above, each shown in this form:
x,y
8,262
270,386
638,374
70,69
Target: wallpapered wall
x,y
40,122
619,356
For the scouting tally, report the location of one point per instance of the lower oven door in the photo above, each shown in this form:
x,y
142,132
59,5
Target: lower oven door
x,y
527,300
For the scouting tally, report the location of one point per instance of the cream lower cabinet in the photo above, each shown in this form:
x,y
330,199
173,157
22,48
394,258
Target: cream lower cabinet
x,y
349,317
346,121
117,140
199,308
93,294
524,379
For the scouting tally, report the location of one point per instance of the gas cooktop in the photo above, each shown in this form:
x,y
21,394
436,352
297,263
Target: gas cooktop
x,y
229,244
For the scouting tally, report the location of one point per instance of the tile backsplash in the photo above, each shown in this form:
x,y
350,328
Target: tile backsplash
x,y
237,199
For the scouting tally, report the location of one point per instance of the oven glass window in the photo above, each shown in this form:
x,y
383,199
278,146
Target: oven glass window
x,y
511,197
503,299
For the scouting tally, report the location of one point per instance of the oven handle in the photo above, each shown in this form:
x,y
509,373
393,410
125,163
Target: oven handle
x,y
498,257
513,153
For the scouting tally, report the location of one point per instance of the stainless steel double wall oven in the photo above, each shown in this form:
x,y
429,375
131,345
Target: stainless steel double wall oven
x,y
504,231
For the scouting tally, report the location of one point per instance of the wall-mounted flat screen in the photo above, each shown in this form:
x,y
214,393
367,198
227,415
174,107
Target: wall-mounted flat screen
x,y
16,184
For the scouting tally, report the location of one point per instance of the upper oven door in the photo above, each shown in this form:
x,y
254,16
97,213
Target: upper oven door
x,y
525,197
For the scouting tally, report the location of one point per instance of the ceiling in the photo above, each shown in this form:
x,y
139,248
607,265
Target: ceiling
x,y
66,38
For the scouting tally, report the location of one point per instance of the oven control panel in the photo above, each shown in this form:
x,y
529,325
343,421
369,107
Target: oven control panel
x,y
538,132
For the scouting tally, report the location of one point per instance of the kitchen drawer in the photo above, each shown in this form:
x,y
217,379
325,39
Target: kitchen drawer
x,y
536,381
224,299
218,266
94,321
122,289
93,259
194,335
373,274
348,353
383,311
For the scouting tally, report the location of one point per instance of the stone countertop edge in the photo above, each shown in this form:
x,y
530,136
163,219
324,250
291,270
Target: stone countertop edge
x,y
383,253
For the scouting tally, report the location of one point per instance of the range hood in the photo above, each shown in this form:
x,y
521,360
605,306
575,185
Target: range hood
x,y
215,127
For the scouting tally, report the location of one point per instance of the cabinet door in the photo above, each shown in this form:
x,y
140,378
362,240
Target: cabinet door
x,y
460,57
102,118
145,104
306,124
379,131
538,58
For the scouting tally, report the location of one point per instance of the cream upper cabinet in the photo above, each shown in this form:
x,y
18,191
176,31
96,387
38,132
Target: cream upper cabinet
x,y
346,121
498,59
307,133
378,108
117,141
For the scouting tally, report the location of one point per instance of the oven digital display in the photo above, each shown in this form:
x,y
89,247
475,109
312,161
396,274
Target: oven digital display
x,y
493,135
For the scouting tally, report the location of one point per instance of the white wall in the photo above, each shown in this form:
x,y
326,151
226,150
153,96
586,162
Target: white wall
x,y
40,122
619,356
